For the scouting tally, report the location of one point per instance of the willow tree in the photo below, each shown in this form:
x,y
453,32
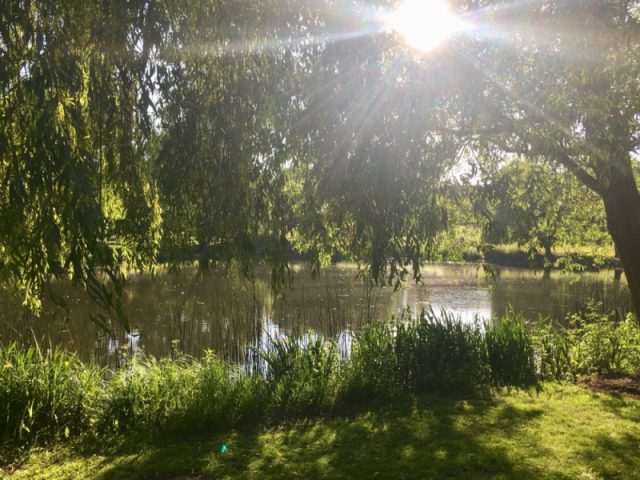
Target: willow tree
x,y
128,126
75,190
224,107
550,81
131,125
368,157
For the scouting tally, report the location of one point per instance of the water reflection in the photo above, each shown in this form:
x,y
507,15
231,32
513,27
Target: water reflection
x,y
195,312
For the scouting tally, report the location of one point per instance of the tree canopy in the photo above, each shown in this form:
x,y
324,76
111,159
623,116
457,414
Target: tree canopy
x,y
133,127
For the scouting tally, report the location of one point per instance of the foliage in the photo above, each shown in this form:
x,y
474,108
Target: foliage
x,y
55,397
242,128
603,346
510,351
44,396
369,183
593,343
428,353
77,194
174,393
440,353
553,345
539,207
303,373
128,127
562,93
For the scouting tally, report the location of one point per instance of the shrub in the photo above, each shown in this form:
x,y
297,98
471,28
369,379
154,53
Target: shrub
x,y
593,343
602,345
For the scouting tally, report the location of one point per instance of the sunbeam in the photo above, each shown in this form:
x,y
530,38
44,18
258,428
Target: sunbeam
x,y
424,24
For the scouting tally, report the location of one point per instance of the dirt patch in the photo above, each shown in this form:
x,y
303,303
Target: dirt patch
x,y
622,386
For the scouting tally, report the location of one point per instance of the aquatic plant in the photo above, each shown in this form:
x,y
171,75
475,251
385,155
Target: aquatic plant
x,y
303,373
510,352
44,396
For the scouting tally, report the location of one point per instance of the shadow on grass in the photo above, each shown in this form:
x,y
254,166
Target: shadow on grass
x,y
418,438
624,408
622,449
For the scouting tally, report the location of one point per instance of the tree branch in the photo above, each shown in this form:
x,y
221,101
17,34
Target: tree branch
x,y
582,176
467,133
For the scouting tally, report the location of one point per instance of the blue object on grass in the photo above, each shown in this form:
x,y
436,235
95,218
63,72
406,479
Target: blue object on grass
x,y
223,449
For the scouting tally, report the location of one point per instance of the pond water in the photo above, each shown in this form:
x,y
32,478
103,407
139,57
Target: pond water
x,y
193,311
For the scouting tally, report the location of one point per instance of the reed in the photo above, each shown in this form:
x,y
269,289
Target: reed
x,y
302,374
43,397
510,352
441,353
438,353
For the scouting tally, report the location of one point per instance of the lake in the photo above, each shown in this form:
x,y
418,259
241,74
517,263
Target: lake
x,y
193,311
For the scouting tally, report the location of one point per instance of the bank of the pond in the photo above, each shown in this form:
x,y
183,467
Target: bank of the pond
x,y
53,397
511,256
561,431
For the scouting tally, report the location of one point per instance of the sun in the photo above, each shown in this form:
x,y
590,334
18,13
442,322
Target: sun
x,y
424,24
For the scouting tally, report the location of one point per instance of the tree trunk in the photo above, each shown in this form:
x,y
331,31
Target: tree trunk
x,y
622,205
548,260
617,271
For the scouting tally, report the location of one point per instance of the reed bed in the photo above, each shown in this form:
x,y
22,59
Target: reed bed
x,y
53,396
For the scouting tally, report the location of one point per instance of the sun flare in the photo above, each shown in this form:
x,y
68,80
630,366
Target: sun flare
x,y
424,24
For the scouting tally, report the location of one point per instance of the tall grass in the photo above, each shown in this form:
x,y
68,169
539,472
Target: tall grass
x,y
174,393
44,396
303,374
510,352
54,396
425,353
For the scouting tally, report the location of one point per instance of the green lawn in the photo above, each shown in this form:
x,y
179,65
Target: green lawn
x,y
562,432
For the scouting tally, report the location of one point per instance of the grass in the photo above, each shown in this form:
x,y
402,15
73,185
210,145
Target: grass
x,y
572,257
460,245
561,432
